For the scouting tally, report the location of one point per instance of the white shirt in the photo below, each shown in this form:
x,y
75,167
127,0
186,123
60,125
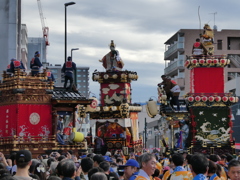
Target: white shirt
x,y
143,174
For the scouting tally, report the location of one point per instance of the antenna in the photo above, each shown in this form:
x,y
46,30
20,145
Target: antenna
x,y
213,17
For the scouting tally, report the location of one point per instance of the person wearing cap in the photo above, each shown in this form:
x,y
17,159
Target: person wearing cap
x,y
67,69
35,64
130,169
15,64
23,161
112,60
147,164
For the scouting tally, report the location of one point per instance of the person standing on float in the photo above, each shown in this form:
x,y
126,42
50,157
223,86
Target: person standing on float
x,y
67,69
35,64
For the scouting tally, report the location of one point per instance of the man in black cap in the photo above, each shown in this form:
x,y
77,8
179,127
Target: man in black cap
x,y
23,161
35,64
67,69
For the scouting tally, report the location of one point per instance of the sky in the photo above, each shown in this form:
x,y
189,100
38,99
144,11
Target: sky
x,y
139,29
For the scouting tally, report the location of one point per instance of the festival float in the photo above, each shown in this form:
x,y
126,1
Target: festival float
x,y
208,112
115,117
30,107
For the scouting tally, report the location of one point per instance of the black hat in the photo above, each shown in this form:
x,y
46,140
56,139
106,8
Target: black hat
x,y
23,156
69,58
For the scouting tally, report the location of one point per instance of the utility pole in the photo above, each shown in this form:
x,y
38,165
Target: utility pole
x,y
145,133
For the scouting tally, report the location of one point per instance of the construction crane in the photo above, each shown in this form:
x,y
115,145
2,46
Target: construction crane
x,y
44,28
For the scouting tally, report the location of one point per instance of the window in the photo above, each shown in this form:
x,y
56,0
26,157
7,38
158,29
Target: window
x,y
219,44
62,81
83,80
84,70
84,75
79,70
79,75
79,80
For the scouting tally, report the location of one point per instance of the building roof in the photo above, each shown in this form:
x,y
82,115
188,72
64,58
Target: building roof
x,y
60,93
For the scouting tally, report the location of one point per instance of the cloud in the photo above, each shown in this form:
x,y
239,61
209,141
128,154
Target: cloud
x,y
138,27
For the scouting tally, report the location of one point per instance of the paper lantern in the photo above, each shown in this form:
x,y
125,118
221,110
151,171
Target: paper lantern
x,y
152,108
190,99
105,76
114,76
123,75
194,61
204,98
209,61
105,108
211,98
232,99
197,98
114,108
92,107
215,61
95,77
236,99
187,63
201,61
223,61
224,98
217,98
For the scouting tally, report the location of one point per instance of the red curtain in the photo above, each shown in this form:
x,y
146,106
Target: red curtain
x,y
208,80
34,120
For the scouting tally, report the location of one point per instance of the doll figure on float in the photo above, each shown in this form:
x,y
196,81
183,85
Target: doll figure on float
x,y
112,60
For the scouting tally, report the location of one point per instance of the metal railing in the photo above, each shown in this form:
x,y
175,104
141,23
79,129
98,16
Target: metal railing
x,y
173,66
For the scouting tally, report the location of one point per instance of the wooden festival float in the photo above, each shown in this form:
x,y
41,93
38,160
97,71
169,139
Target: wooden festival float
x,y
29,107
208,107
116,117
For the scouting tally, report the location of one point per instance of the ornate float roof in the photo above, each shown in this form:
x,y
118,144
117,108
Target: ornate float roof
x,y
60,93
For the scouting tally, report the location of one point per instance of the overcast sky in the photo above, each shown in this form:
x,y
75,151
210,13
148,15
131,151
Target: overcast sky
x,y
138,27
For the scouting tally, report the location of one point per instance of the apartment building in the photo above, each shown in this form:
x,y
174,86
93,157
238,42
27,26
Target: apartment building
x,y
226,41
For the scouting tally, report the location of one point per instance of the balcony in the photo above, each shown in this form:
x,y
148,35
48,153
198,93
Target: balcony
x,y
172,50
173,68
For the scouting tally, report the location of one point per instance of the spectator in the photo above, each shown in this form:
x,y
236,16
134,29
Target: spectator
x,y
94,170
106,168
131,169
234,169
148,165
212,171
86,164
199,166
156,174
68,170
23,161
179,171
97,159
99,176
54,178
5,175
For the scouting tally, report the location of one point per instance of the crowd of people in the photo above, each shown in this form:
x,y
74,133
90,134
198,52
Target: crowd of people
x,y
114,166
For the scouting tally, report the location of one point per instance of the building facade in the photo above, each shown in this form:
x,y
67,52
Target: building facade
x,y
10,20
180,45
